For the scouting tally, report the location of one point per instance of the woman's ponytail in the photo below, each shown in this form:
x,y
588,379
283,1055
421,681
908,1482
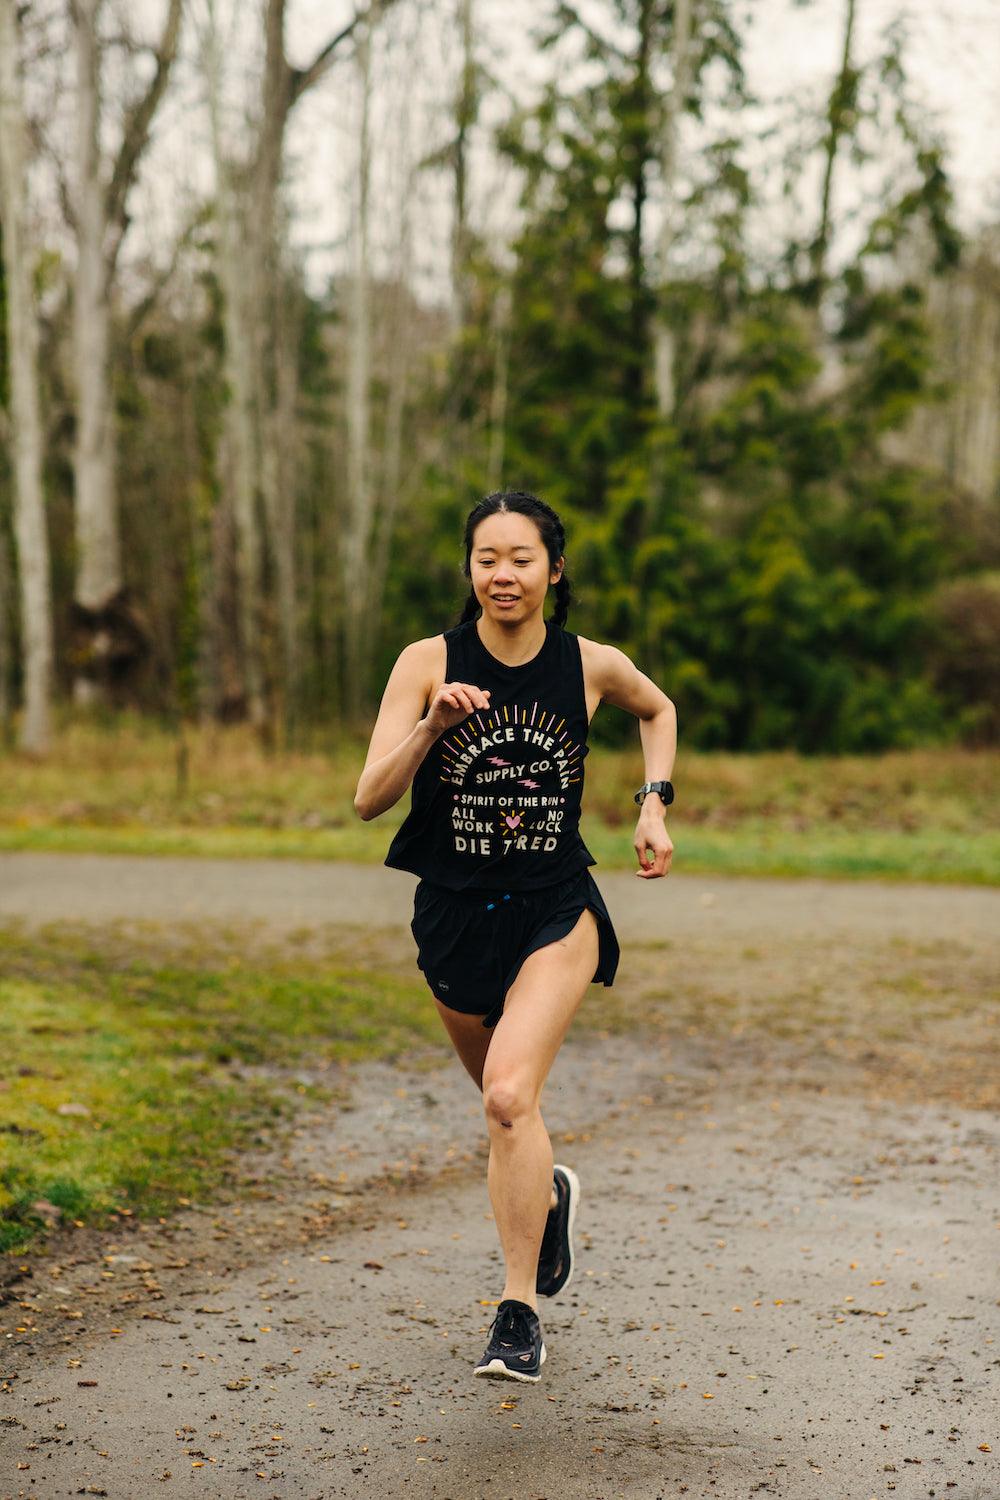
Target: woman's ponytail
x,y
564,598
471,608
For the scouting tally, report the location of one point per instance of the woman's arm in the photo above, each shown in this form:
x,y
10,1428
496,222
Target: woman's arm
x,y
401,737
403,733
621,683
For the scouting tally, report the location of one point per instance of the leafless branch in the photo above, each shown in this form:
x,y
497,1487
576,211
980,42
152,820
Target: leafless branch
x,y
137,124
198,218
569,16
304,78
43,147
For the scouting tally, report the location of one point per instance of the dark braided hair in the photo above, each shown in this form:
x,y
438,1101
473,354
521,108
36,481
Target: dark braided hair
x,y
550,529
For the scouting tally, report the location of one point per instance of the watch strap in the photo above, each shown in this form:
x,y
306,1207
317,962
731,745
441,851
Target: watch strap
x,y
664,789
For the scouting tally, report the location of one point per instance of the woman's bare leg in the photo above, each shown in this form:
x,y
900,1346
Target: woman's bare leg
x,y
471,1040
537,1013
470,1037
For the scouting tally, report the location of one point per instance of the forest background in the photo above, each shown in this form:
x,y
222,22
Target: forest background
x,y
747,345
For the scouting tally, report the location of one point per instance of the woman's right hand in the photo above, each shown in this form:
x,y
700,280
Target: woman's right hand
x,y
452,703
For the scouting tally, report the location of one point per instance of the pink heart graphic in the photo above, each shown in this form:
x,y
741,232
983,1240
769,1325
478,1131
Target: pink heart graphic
x,y
512,822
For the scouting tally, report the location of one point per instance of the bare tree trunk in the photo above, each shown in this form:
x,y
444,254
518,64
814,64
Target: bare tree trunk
x,y
199,510
360,498
239,279
639,135
99,577
100,220
273,368
664,350
249,270
278,483
842,102
498,396
959,436
26,426
244,450
465,115
6,591
399,341
228,677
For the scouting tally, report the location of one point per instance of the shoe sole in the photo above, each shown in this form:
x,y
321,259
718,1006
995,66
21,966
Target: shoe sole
x,y
497,1370
574,1199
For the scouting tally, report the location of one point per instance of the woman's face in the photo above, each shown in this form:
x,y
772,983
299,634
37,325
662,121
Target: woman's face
x,y
510,567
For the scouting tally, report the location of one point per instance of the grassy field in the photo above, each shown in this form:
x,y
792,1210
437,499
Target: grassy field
x,y
131,1070
130,788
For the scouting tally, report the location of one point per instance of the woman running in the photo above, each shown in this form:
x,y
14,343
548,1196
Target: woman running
x,y
489,722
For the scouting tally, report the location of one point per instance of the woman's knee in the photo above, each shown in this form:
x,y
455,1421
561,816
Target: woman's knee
x,y
509,1098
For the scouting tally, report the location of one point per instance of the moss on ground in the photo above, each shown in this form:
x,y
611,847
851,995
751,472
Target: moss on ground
x,y
128,1079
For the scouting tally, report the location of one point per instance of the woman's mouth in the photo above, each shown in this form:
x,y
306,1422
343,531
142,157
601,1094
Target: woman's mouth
x,y
504,598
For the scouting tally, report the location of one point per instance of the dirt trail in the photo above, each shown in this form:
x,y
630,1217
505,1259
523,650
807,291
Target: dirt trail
x,y
786,1279
290,893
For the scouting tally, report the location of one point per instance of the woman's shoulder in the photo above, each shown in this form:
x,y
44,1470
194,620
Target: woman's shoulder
x,y
600,661
427,650
427,659
594,653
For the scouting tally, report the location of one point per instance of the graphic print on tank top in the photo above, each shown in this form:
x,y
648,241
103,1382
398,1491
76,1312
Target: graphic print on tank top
x,y
496,802
511,768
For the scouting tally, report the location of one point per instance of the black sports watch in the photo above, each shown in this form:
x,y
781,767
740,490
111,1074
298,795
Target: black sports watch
x,y
664,788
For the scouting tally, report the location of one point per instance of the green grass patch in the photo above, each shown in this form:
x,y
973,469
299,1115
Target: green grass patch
x,y
127,1083
130,788
759,848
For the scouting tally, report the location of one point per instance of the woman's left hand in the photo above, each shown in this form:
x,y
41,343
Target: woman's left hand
x,y
651,837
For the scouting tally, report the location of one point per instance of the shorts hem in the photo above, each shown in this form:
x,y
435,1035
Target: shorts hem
x,y
557,927
607,946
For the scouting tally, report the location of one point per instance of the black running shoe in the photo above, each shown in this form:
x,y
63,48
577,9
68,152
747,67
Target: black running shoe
x,y
515,1350
555,1259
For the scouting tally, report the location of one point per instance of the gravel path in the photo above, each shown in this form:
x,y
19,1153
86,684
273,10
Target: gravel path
x,y
786,1279
292,893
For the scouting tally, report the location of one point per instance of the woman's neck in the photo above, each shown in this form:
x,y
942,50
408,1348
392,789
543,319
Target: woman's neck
x,y
514,644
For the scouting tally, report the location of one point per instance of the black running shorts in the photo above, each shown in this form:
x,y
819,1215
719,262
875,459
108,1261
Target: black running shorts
x,y
471,944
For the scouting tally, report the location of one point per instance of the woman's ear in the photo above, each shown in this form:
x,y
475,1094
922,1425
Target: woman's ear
x,y
557,572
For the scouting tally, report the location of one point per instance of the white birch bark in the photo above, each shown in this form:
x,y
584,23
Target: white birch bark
x,y
100,222
257,371
959,436
664,342
99,576
360,499
30,528
275,364
278,482
398,338
239,278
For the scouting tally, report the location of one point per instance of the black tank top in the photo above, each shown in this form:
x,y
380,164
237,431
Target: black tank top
x,y
496,801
